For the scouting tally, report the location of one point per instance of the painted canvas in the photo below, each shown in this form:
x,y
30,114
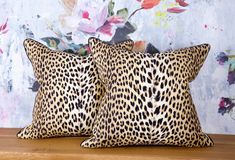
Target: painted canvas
x,y
163,24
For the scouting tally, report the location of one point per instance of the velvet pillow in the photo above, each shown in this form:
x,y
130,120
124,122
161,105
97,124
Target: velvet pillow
x,y
147,99
68,99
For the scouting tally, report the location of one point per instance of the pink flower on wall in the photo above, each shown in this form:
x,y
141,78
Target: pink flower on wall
x,y
226,106
149,4
3,30
91,18
146,4
175,10
181,3
100,22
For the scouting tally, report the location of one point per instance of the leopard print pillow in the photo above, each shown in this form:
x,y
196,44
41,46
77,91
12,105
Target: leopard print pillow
x,y
147,99
70,91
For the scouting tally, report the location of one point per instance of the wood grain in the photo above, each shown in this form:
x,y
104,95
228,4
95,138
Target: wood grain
x,y
69,148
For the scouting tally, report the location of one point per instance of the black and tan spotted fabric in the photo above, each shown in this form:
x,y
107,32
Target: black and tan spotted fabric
x,y
147,98
70,91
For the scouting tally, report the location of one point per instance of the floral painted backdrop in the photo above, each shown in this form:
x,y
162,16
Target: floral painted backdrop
x,y
166,24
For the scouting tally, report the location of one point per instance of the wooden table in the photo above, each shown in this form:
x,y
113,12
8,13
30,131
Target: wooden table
x,y
69,149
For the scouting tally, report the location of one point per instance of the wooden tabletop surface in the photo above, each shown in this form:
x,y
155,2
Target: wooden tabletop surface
x,y
69,148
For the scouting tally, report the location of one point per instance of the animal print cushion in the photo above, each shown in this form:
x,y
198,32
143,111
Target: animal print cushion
x,y
147,99
68,98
